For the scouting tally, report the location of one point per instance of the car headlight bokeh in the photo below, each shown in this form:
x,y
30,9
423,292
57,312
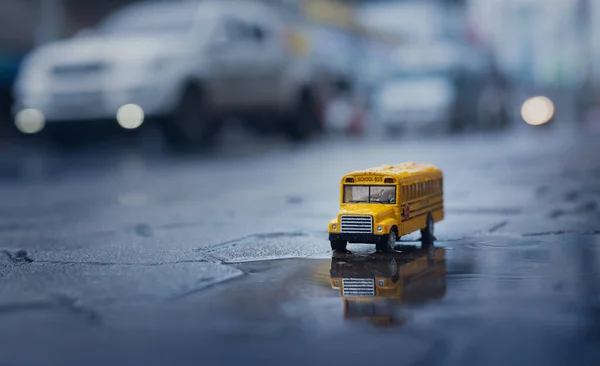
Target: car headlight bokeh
x,y
537,111
130,116
30,121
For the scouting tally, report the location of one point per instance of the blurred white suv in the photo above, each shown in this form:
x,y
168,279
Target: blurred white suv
x,y
187,64
422,103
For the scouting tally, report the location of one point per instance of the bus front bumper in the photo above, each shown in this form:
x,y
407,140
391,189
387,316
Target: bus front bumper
x,y
358,238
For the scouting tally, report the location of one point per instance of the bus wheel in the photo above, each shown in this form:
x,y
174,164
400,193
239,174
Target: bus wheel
x,y
427,233
338,245
388,242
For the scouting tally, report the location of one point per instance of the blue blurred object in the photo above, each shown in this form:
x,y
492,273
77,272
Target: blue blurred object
x,y
9,67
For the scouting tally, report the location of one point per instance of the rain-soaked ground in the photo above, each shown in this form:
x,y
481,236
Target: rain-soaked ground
x,y
128,257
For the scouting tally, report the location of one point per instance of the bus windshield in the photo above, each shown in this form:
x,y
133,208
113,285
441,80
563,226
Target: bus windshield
x,y
370,194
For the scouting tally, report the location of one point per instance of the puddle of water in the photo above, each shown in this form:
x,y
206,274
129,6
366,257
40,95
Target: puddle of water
x,y
428,305
502,242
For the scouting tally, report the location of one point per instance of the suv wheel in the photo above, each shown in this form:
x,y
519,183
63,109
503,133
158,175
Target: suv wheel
x,y
305,119
192,123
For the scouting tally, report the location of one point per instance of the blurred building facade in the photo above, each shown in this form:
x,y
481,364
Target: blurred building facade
x,y
549,46
553,42
545,42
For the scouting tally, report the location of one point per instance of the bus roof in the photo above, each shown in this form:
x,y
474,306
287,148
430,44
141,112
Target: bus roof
x,y
402,171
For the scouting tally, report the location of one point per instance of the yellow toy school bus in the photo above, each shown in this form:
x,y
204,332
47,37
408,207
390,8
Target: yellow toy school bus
x,y
379,205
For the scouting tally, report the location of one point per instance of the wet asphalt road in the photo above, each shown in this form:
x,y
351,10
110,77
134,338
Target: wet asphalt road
x,y
131,256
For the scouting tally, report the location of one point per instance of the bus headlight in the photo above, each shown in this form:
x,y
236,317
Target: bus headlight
x,y
381,282
334,227
379,229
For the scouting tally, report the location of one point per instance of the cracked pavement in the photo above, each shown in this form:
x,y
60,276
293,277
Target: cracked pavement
x,y
125,256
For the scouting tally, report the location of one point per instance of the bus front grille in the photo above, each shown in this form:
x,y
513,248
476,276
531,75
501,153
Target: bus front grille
x,y
357,287
357,224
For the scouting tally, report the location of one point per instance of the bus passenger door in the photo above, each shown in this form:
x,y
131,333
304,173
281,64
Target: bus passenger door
x,y
401,214
407,206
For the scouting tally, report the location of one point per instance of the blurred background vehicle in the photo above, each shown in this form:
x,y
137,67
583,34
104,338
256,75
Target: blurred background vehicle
x,y
441,82
295,66
443,88
190,64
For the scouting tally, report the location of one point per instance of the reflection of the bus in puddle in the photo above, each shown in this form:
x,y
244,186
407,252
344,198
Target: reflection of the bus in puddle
x,y
374,286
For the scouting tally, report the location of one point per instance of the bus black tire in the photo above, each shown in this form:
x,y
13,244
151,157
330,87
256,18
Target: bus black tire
x,y
388,242
339,245
427,236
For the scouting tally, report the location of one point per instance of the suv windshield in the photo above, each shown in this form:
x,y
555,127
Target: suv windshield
x,y
151,18
369,194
